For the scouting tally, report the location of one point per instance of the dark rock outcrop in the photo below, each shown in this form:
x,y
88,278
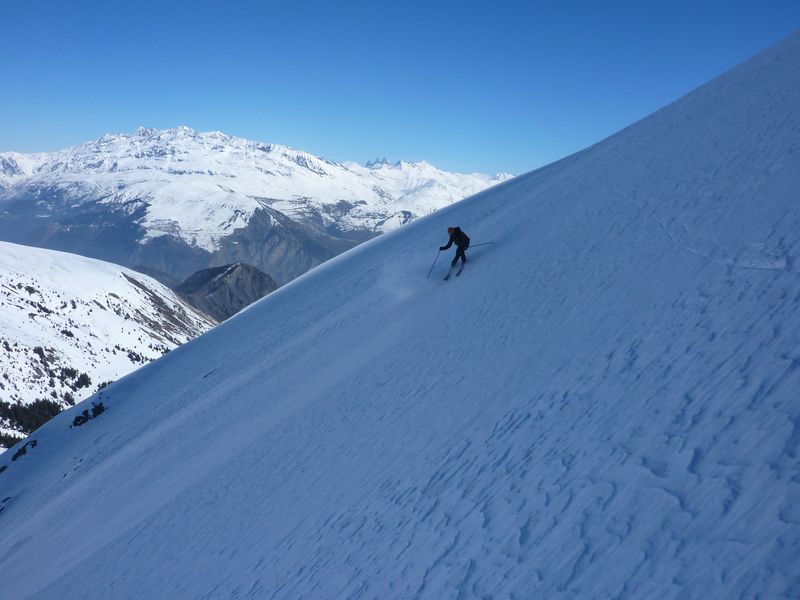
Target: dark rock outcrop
x,y
223,291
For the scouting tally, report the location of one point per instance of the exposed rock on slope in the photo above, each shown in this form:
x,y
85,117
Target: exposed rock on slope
x,y
223,291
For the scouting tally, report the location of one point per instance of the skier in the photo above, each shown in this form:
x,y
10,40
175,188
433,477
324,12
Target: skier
x,y
462,243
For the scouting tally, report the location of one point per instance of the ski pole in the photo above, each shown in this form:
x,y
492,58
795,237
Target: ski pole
x,y
434,262
483,244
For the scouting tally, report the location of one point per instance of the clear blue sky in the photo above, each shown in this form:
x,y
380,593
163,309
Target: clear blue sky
x,y
468,86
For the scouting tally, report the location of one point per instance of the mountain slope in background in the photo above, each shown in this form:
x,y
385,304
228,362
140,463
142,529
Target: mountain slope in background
x,y
223,291
69,324
603,405
179,201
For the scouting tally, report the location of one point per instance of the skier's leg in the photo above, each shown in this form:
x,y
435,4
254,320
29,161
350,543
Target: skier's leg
x,y
455,258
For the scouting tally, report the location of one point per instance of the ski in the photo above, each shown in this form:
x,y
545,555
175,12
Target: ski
x,y
450,272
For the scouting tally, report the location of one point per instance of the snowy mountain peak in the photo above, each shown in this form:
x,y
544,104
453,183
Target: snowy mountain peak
x,y
145,131
199,188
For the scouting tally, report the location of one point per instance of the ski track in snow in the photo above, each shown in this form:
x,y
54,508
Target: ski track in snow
x,y
603,406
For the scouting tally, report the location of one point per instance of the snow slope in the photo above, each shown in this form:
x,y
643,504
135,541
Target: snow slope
x,y
83,316
605,403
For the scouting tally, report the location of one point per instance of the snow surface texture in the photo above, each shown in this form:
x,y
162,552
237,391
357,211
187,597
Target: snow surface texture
x,y
200,187
604,405
84,316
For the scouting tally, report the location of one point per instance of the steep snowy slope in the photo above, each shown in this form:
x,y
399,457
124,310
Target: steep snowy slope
x,y
69,324
177,199
604,405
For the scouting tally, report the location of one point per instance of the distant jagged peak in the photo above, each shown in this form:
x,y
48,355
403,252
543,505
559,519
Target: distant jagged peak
x,y
384,163
378,162
144,132
181,131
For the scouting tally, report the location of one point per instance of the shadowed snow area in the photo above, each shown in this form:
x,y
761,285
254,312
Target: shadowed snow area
x,y
604,404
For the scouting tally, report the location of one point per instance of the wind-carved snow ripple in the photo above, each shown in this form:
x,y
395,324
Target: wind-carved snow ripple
x,y
643,501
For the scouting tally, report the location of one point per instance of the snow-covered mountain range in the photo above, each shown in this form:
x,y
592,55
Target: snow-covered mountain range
x,y
603,405
70,324
179,200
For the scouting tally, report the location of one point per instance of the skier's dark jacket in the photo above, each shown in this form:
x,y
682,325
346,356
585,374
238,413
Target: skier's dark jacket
x,y
459,237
